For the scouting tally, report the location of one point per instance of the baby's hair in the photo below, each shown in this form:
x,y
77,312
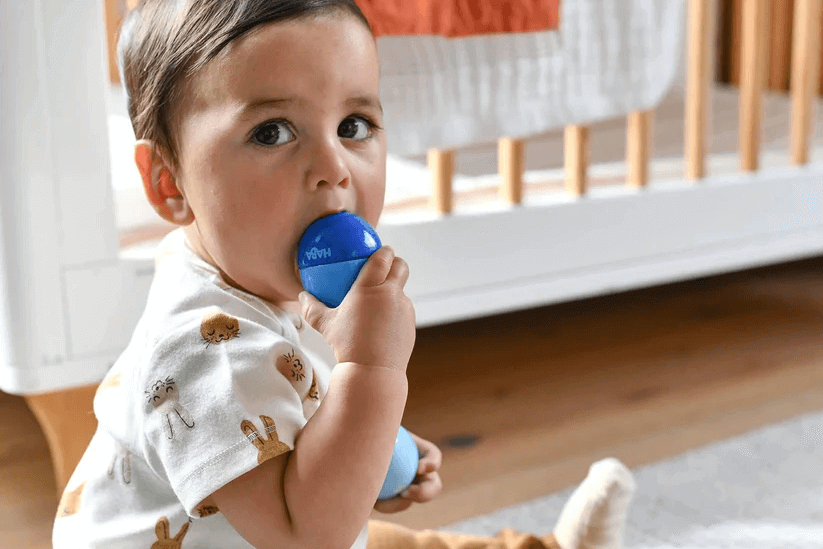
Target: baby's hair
x,y
163,41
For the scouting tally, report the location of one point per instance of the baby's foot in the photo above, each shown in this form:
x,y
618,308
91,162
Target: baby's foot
x,y
595,515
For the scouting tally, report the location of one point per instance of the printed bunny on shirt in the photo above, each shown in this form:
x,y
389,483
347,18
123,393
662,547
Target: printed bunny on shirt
x,y
162,532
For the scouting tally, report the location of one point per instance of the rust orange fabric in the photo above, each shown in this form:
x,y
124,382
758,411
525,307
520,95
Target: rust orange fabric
x,y
454,18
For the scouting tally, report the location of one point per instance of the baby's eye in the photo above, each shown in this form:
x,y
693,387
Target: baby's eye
x,y
355,127
275,132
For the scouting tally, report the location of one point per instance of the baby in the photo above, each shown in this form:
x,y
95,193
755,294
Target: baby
x,y
254,118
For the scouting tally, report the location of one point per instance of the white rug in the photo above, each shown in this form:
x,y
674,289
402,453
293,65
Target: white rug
x,y
761,490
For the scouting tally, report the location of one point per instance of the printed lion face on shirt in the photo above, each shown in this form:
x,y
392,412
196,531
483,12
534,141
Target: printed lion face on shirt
x,y
291,366
219,327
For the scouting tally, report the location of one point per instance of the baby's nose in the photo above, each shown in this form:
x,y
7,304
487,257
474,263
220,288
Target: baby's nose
x,y
328,166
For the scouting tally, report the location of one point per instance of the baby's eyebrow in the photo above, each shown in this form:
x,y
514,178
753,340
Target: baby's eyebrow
x,y
365,101
250,109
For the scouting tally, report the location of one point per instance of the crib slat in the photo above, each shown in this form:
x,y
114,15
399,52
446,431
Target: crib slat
x,y
697,90
805,67
576,149
753,69
441,165
638,141
510,166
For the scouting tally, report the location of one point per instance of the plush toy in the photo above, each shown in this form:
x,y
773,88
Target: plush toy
x,y
594,517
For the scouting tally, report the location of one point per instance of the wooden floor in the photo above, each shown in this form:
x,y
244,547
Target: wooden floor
x,y
522,403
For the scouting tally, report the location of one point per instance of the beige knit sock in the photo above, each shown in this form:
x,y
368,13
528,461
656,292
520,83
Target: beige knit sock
x,y
595,515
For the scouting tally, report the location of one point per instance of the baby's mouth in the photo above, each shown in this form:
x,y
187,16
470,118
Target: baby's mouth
x,y
297,268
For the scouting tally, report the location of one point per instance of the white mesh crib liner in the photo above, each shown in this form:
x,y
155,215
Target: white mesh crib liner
x,y
608,58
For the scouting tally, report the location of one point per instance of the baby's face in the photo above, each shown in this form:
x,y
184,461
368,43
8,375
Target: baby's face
x,y
274,133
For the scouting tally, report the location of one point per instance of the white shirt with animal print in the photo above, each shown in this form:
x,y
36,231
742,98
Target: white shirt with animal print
x,y
213,383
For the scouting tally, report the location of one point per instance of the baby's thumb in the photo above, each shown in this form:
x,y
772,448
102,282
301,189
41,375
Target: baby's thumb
x,y
313,310
376,269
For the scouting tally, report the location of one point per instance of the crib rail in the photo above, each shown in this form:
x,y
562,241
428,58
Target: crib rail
x,y
752,79
700,71
697,87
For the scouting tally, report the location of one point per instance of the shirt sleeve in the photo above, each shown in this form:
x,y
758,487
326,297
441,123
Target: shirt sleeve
x,y
215,404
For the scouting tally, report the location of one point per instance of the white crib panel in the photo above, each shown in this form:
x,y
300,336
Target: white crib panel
x,y
104,328
468,265
6,343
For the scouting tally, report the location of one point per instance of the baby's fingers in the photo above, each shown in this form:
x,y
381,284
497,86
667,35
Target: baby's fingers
x,y
424,489
314,311
399,271
430,459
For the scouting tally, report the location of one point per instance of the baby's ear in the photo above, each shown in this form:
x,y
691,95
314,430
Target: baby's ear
x,y
159,184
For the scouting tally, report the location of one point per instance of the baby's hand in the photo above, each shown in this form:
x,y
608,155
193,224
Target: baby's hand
x,y
426,485
374,325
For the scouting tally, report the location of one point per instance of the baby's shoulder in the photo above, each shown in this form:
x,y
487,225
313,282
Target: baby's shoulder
x,y
230,325
207,328
194,304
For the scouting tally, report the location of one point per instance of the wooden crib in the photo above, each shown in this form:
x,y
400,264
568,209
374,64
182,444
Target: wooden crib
x,y
697,190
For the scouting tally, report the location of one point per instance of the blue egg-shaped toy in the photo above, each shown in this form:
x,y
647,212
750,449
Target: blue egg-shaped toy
x,y
331,253
403,466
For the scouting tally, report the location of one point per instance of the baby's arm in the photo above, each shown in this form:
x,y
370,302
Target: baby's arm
x,y
321,493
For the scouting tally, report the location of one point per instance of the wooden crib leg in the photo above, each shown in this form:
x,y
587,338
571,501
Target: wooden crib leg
x,y
68,421
577,158
637,148
510,166
441,165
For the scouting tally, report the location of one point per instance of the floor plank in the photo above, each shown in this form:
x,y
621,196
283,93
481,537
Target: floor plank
x,y
542,393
